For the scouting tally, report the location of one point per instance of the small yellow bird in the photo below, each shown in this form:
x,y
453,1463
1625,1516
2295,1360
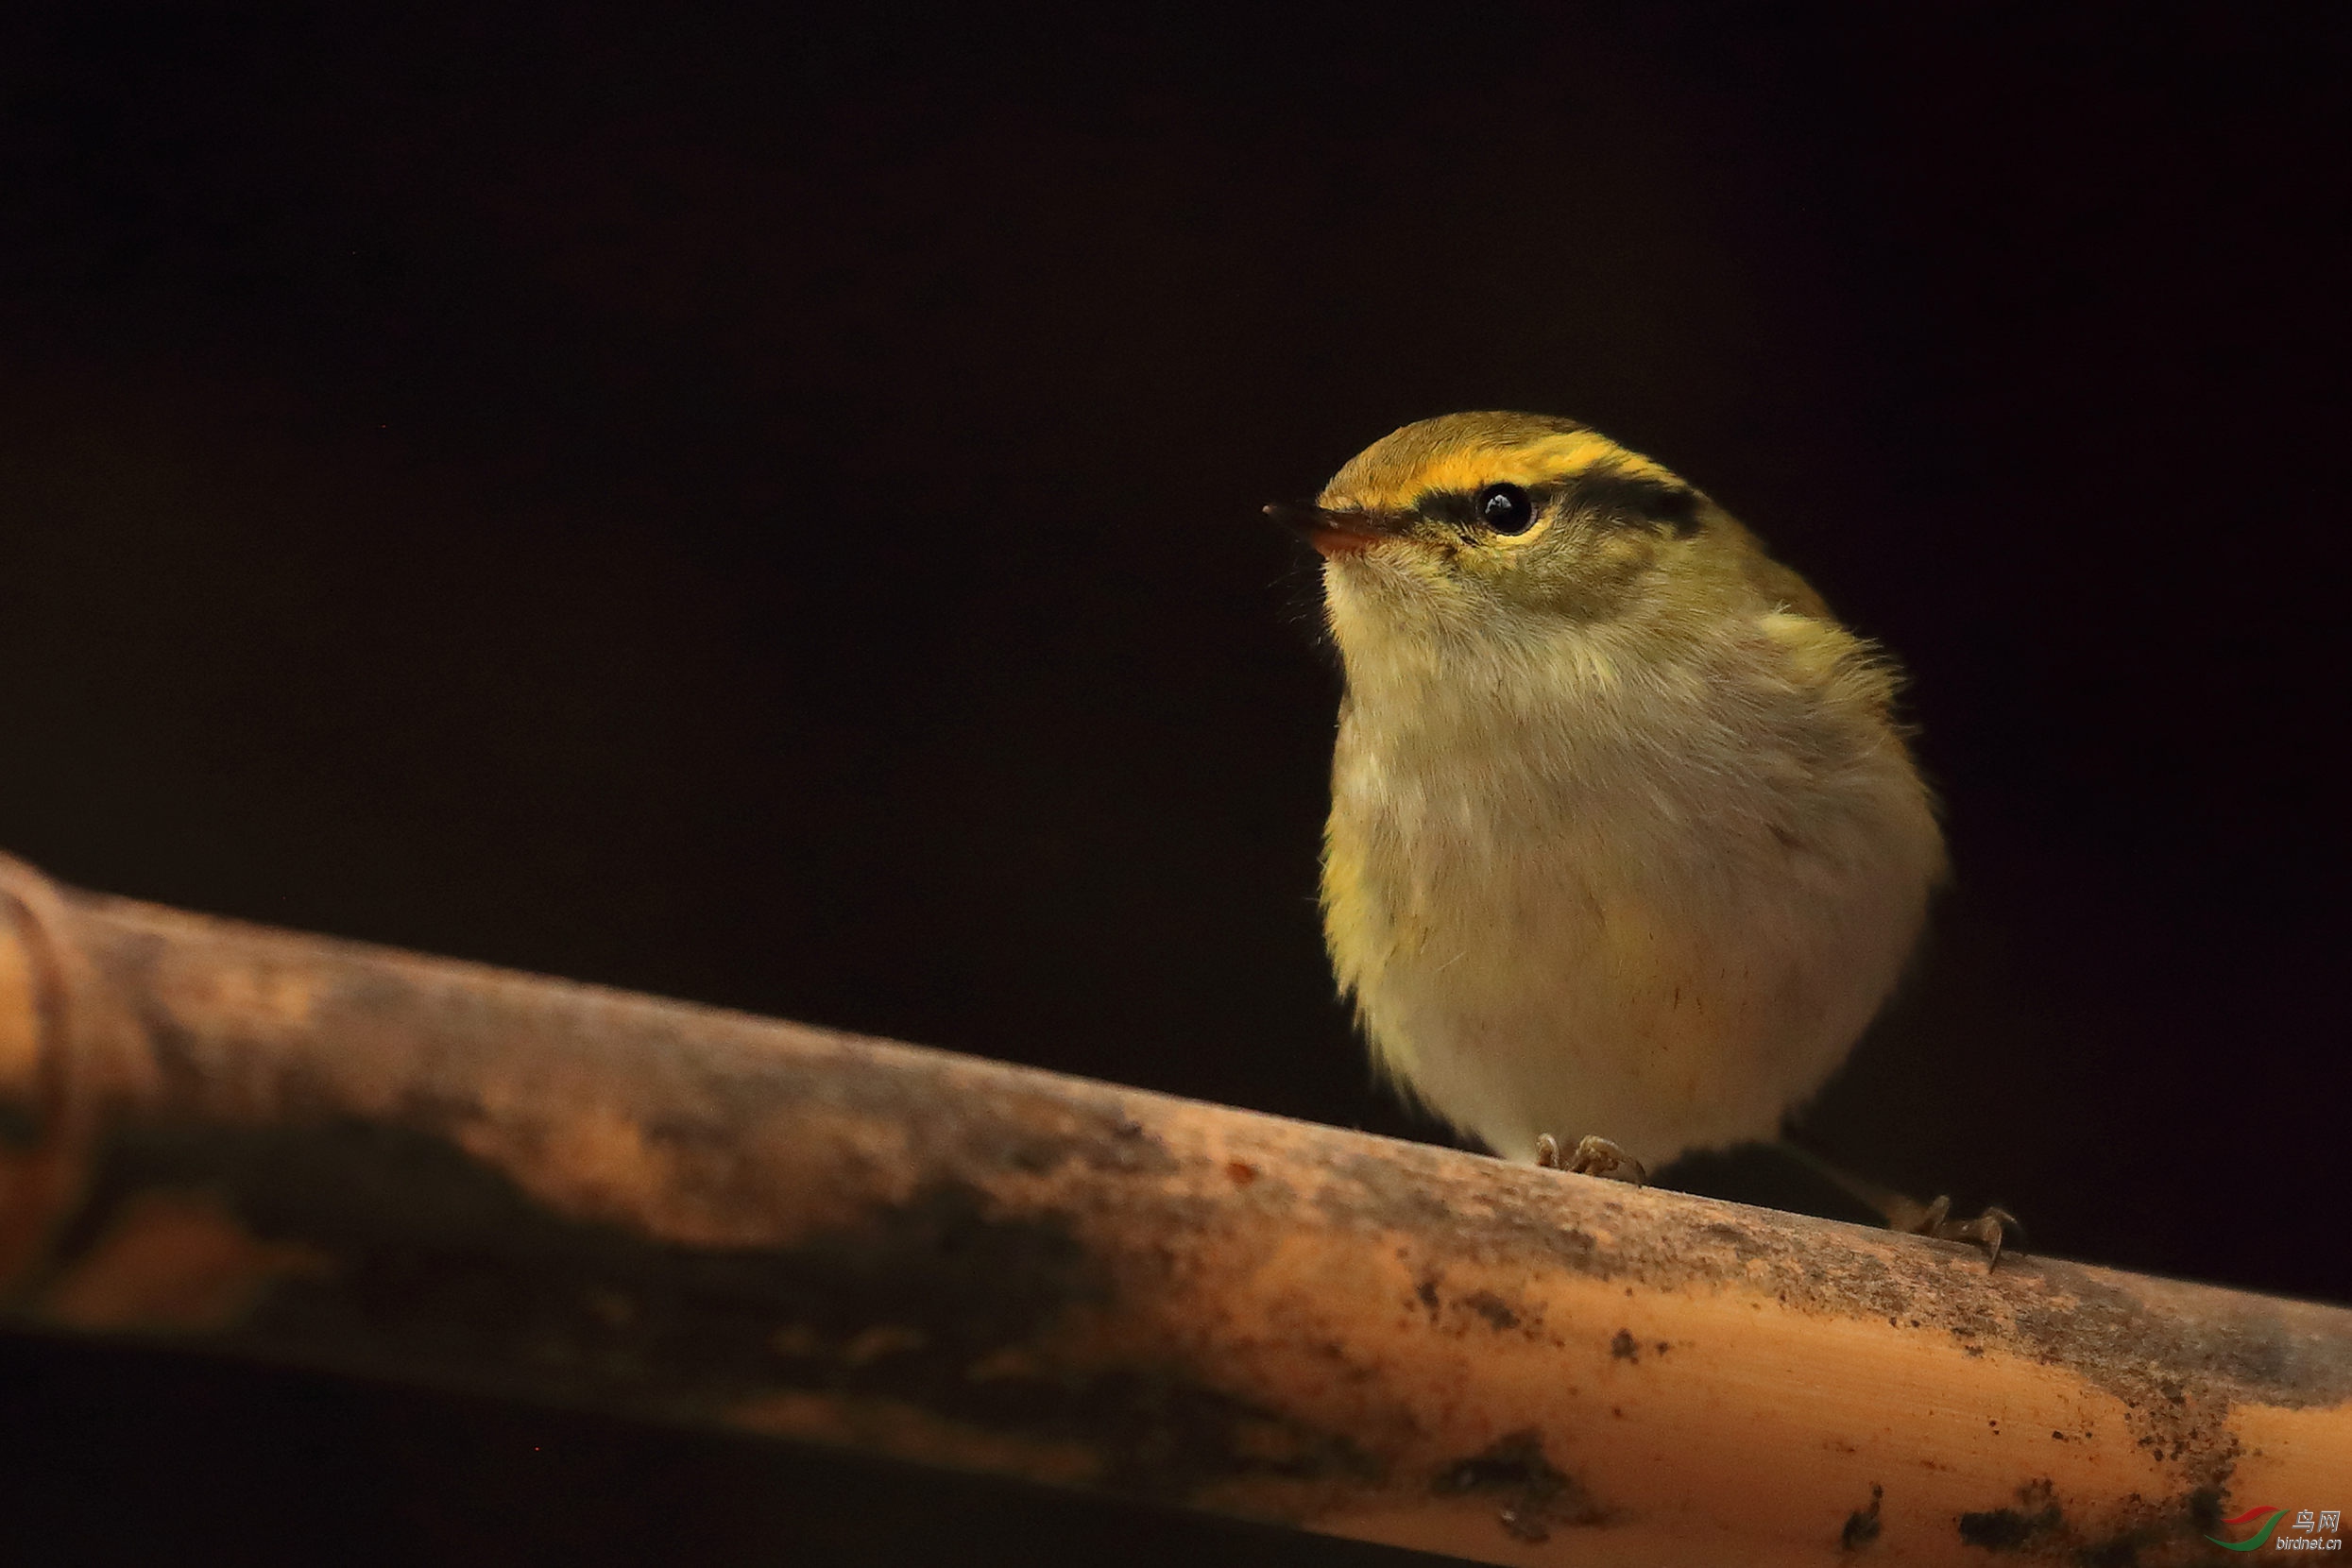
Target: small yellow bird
x,y
1626,844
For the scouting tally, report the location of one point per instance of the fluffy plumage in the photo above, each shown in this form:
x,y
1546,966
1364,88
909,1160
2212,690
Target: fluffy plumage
x,y
1625,838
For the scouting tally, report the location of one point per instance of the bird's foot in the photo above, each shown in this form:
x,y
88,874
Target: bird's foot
x,y
1989,1230
1992,1230
1595,1157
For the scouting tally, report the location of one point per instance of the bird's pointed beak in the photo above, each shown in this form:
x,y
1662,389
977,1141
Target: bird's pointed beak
x,y
1333,532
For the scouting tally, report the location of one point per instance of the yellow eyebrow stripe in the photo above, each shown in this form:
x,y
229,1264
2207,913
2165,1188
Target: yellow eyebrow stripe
x,y
1553,457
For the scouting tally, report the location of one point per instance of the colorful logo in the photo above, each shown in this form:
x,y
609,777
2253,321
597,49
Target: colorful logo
x,y
2313,1530
2270,1518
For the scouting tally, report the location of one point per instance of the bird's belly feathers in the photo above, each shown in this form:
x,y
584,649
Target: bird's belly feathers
x,y
1669,956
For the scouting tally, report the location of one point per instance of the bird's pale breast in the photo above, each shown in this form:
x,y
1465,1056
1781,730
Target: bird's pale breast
x,y
1606,891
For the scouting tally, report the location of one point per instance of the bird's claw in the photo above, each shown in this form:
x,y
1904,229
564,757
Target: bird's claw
x,y
1595,1157
1989,1230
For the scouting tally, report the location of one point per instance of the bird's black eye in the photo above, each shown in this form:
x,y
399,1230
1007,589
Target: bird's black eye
x,y
1506,509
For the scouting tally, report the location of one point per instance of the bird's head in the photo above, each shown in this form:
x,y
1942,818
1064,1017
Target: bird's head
x,y
1480,526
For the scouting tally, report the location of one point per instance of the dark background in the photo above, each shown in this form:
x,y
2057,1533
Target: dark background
x,y
765,511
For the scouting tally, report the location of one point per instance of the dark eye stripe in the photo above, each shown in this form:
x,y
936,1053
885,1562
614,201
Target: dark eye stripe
x,y
1457,509
1610,491
1606,489
1461,508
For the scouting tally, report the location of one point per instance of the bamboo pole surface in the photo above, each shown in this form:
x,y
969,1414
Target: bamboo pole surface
x,y
397,1167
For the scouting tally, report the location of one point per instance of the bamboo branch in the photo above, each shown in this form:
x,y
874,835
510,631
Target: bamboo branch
x,y
398,1166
